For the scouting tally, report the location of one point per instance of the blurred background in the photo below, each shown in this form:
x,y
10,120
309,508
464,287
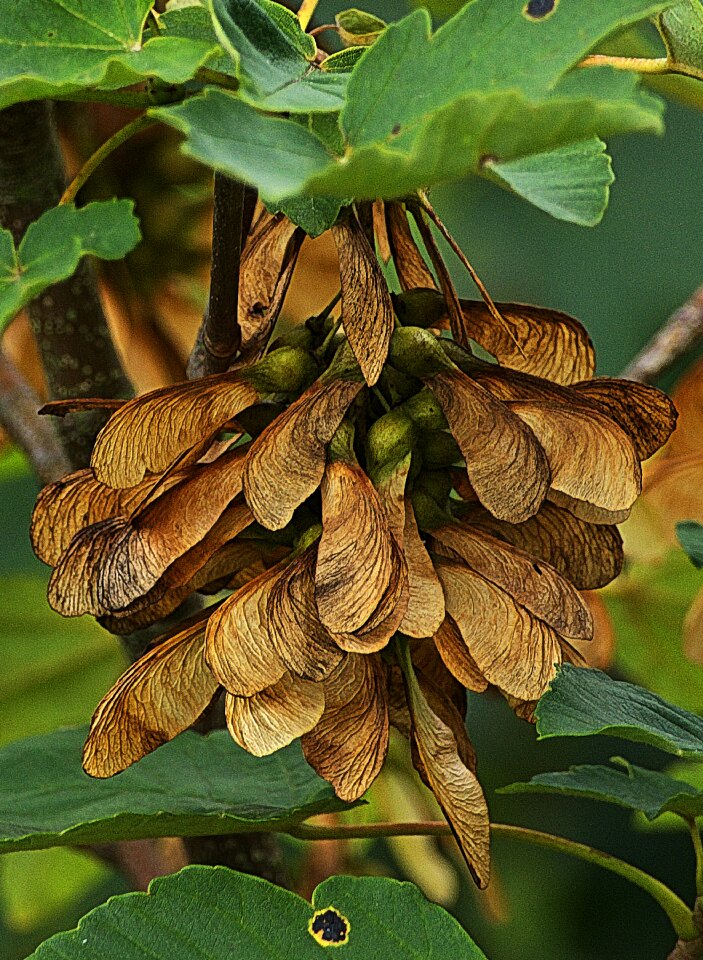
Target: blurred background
x,y
622,279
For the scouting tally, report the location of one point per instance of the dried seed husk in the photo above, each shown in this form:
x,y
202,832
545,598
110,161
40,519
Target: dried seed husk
x,y
594,467
431,668
457,658
265,273
425,610
349,744
513,649
301,641
83,581
536,340
536,586
169,526
380,230
74,502
287,460
505,461
367,309
355,556
445,753
148,433
408,261
272,719
647,415
233,560
589,555
161,695
239,648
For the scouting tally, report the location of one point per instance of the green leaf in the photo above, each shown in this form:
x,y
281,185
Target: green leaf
x,y
65,46
583,702
193,21
649,791
648,604
681,28
274,154
212,913
571,183
283,158
53,246
690,536
313,214
359,28
489,45
191,786
276,58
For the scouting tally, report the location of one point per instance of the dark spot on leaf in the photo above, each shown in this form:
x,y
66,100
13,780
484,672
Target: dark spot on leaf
x,y
539,9
329,927
50,34
396,129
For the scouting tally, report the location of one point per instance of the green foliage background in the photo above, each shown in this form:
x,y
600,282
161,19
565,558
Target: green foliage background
x,y
622,279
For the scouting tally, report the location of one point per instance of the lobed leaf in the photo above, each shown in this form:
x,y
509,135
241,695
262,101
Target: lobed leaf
x,y
192,786
66,46
276,58
581,703
627,785
571,183
212,913
54,245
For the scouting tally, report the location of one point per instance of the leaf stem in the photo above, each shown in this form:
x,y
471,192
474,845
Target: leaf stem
x,y
487,299
216,77
698,850
635,64
104,151
132,99
677,911
307,8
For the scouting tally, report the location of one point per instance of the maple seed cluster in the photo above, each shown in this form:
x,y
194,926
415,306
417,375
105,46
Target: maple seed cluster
x,y
396,520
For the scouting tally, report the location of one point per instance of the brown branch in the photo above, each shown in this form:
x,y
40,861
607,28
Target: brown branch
x,y
68,321
35,435
219,337
681,332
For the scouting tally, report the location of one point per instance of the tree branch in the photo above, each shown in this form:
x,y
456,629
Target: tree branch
x,y
220,337
33,434
68,321
681,332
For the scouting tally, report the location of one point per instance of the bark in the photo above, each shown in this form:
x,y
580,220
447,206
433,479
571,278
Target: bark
x,y
74,341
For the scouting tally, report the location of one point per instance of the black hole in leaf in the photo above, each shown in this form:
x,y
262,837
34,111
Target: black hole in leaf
x,y
329,927
538,9
536,568
396,129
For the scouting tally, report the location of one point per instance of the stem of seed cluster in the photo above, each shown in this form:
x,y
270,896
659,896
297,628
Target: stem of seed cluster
x,y
131,99
104,151
676,910
487,299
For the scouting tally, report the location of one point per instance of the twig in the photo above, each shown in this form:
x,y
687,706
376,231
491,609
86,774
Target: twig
x,y
682,331
35,435
104,151
676,910
220,337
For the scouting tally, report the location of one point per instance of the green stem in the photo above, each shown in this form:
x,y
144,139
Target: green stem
x,y
205,75
132,99
635,64
94,161
679,914
698,850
